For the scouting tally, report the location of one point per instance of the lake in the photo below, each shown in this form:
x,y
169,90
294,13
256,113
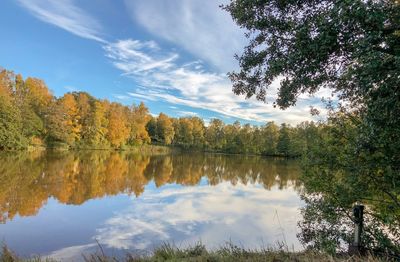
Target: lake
x,y
62,204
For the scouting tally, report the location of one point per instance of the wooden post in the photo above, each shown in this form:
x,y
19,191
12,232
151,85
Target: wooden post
x,y
355,247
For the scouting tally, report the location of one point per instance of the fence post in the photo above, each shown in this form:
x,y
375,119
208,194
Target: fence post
x,y
358,213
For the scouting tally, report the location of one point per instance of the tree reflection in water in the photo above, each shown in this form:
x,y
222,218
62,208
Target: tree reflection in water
x,y
28,180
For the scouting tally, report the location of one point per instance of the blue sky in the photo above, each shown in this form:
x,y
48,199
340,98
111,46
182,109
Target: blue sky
x,y
173,55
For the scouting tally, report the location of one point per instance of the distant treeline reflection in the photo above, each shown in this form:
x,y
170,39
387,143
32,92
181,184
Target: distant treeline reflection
x,y
28,179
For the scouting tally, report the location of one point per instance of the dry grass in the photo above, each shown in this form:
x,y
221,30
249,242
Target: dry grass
x,y
198,253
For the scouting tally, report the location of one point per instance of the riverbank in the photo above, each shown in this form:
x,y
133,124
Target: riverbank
x,y
153,149
149,149
200,253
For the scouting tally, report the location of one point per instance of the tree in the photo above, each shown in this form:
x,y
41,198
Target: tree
x,y
96,131
83,103
151,128
68,108
165,129
215,134
34,108
352,47
283,145
270,137
32,124
56,125
118,126
139,117
245,140
345,45
231,132
183,128
39,95
10,117
198,131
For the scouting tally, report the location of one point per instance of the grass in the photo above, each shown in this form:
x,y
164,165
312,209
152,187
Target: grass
x,y
198,253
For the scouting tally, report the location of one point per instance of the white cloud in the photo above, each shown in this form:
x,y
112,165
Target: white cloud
x,y
212,214
200,27
142,96
121,97
137,57
162,78
187,113
66,15
71,89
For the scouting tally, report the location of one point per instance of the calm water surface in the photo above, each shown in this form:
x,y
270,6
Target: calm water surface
x,y
60,204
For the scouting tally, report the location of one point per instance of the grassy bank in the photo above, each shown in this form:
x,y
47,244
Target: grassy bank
x,y
199,253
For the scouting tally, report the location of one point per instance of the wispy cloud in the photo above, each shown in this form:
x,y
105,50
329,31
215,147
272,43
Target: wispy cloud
x,y
137,57
121,97
162,78
186,113
200,27
71,89
66,15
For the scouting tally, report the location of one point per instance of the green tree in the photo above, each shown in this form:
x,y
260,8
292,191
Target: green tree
x,y
10,117
270,138
151,128
165,129
352,47
231,132
214,135
283,145
32,124
245,140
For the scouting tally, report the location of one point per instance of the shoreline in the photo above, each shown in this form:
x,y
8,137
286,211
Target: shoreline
x,y
148,148
198,252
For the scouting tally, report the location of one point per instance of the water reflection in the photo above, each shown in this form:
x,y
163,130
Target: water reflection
x,y
27,180
181,197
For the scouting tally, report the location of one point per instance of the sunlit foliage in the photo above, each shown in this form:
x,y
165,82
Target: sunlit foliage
x,y
32,116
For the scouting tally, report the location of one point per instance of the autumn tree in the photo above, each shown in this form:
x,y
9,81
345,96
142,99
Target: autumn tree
x,y
198,132
97,126
118,126
138,119
39,95
70,118
183,129
84,106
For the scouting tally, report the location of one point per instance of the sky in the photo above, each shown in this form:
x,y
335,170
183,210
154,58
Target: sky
x,y
173,55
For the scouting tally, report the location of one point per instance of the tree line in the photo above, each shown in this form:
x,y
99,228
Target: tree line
x,y
32,116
